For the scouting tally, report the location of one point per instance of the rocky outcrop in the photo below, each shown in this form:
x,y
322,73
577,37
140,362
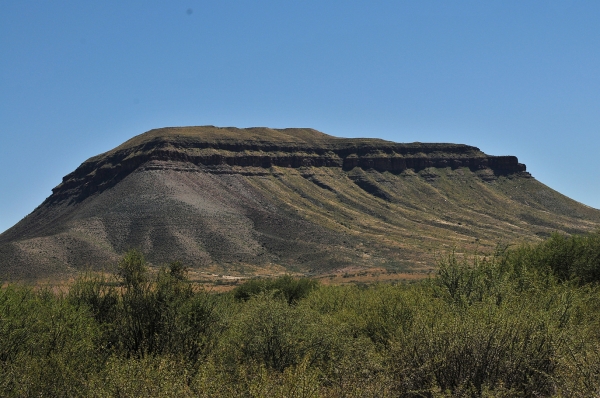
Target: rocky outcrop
x,y
200,147
261,201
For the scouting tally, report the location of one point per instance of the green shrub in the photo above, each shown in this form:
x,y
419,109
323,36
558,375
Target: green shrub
x,y
523,322
96,294
158,314
132,269
574,257
166,316
48,347
270,333
146,377
287,287
513,348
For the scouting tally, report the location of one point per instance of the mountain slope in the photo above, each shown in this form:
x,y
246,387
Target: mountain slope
x,y
247,201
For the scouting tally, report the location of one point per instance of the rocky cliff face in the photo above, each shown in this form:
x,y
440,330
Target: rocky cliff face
x,y
254,201
104,171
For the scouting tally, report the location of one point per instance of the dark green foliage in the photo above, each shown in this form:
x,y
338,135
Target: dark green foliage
x,y
177,270
523,322
270,333
98,295
47,346
154,315
515,346
132,269
568,258
464,282
286,287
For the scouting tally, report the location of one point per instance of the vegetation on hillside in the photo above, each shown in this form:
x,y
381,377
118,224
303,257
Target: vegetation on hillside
x,y
524,322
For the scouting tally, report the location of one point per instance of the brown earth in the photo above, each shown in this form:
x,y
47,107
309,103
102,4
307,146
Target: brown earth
x,y
233,202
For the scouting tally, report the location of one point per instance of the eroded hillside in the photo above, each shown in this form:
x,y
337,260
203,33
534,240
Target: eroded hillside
x,y
256,201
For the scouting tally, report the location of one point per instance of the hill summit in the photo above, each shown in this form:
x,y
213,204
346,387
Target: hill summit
x,y
264,201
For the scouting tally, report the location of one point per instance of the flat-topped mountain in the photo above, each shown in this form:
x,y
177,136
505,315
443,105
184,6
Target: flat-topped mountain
x,y
265,148
260,200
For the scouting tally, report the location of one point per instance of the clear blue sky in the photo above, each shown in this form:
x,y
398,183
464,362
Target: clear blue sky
x,y
510,77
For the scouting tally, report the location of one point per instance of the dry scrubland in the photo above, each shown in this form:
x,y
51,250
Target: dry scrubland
x,y
383,314
523,322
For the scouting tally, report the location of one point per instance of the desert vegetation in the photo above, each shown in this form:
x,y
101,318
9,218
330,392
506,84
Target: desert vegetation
x,y
521,322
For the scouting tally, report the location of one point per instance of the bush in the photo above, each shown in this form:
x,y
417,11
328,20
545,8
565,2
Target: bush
x,y
514,347
286,287
566,257
158,315
271,333
47,346
96,294
524,322
165,316
132,269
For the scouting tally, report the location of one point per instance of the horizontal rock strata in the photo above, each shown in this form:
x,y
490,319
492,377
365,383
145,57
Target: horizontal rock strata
x,y
102,172
261,201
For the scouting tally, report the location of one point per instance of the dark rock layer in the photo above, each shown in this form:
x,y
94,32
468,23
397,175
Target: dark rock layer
x,y
264,201
104,171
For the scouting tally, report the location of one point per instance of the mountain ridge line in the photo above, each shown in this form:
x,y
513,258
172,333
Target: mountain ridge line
x,y
261,201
